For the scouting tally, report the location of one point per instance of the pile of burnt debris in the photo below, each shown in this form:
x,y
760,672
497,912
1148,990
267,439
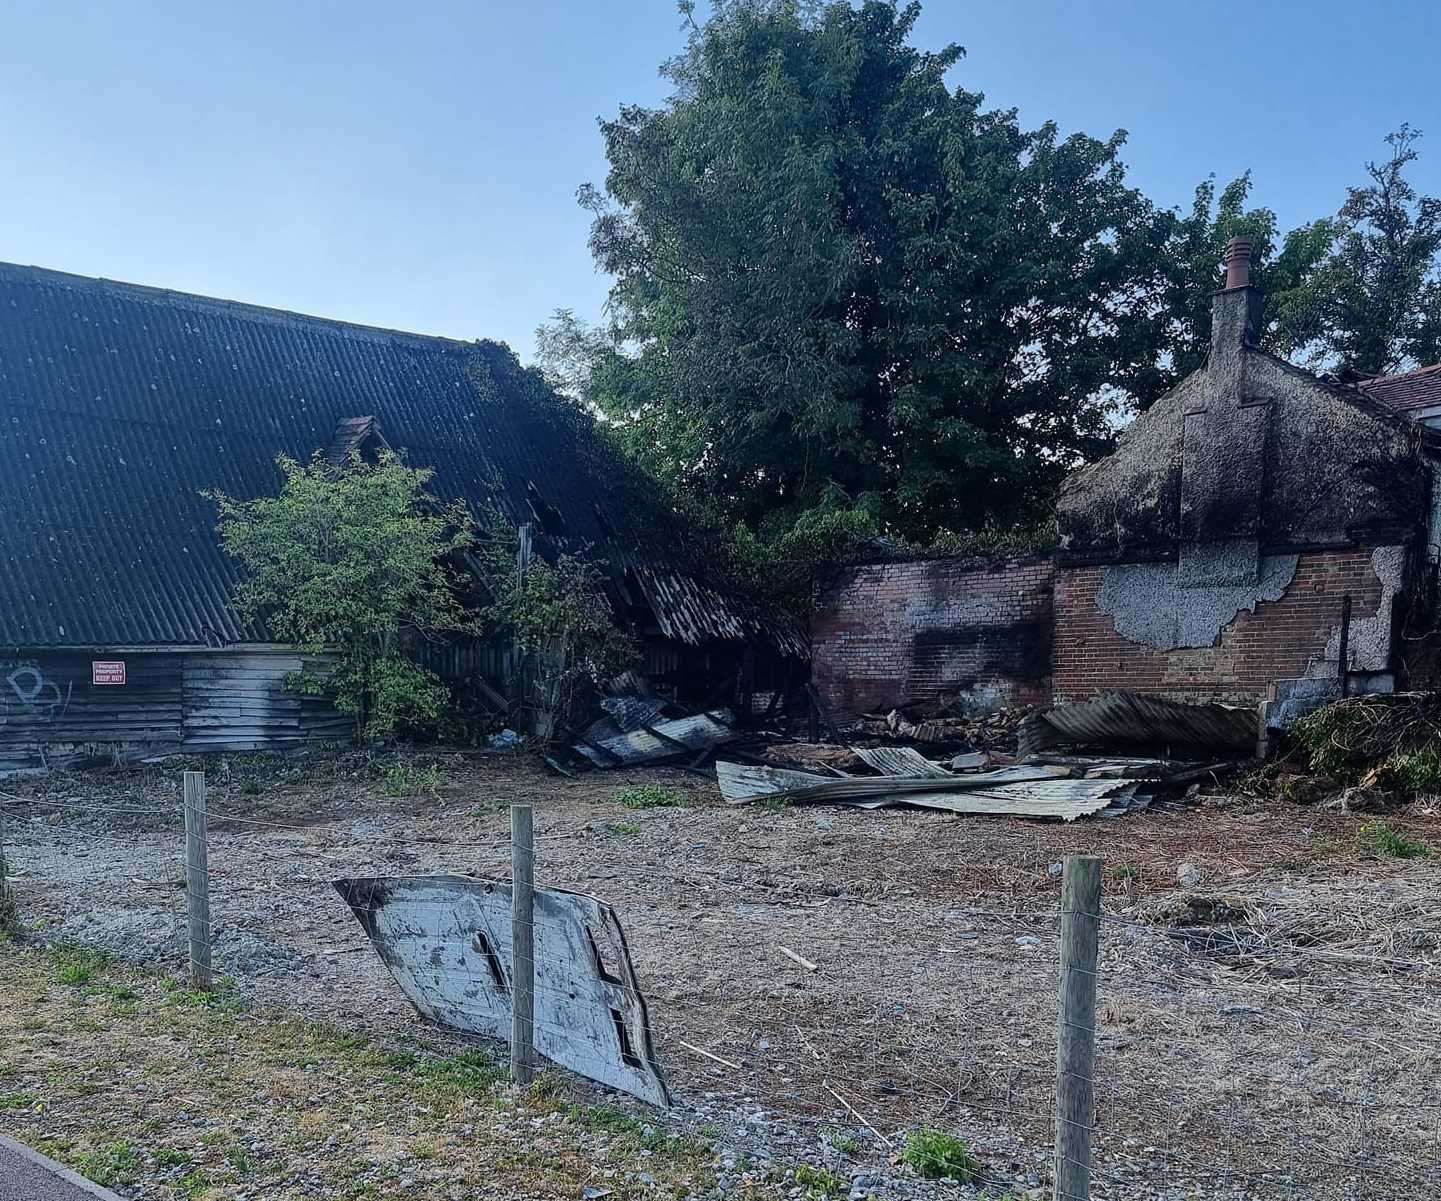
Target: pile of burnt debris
x,y
1115,754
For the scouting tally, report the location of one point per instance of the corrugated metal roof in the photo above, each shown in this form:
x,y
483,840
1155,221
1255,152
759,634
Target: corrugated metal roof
x,y
1132,718
120,404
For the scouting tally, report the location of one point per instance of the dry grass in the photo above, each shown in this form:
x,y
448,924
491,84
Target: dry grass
x,y
142,1087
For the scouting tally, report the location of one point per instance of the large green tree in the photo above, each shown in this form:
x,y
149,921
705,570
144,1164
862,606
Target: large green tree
x,y
1374,304
843,284
1283,267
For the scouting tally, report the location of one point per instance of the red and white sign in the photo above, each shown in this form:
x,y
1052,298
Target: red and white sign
x,y
102,672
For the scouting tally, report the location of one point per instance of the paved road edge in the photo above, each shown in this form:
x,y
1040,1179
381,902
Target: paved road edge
x,y
60,1170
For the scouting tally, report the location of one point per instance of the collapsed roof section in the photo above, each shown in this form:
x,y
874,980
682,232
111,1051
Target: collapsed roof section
x,y
120,405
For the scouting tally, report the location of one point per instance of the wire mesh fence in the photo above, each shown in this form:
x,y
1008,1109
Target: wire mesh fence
x,y
1242,1047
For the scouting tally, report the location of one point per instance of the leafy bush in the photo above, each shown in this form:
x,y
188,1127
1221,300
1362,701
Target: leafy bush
x,y
342,562
557,615
937,1155
1390,742
1386,842
650,796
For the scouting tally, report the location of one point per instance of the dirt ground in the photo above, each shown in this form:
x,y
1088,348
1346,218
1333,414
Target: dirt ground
x,y
1270,1031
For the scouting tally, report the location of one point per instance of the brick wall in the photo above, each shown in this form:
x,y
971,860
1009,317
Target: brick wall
x,y
894,632
1279,640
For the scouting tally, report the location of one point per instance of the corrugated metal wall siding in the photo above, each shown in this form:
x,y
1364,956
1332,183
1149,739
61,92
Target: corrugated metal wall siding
x,y
52,715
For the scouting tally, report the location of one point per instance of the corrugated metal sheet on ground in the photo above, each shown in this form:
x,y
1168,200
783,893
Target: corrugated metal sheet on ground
x,y
120,405
899,761
1135,719
663,740
1019,791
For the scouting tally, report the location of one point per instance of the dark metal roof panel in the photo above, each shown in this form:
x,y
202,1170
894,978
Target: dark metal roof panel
x,y
120,405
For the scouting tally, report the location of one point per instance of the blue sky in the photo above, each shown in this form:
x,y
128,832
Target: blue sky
x,y
415,165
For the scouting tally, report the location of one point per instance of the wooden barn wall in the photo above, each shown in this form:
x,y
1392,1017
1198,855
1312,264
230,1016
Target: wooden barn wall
x,y
238,701
53,715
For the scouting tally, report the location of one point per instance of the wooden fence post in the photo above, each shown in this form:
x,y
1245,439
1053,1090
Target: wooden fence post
x,y
522,944
1076,1027
197,880
7,908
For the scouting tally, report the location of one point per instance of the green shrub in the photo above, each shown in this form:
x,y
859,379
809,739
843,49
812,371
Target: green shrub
x,y
650,796
937,1155
1413,772
1386,842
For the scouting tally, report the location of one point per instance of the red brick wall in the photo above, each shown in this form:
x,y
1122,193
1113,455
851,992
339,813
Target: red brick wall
x,y
1277,641
893,632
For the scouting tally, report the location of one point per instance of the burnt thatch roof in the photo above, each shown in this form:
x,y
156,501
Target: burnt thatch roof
x,y
120,404
1326,465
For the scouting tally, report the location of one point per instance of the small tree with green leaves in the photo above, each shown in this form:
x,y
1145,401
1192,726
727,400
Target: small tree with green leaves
x,y
352,563
557,615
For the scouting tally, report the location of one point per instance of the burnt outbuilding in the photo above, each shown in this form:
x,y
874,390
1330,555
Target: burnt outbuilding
x,y
121,405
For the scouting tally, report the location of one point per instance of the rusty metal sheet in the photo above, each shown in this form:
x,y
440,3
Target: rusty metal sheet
x,y
447,942
1134,719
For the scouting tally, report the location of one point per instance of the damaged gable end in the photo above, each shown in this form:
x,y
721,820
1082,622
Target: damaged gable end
x,y
1212,553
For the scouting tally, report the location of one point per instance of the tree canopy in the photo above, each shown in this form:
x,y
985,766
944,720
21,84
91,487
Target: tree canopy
x,y
851,299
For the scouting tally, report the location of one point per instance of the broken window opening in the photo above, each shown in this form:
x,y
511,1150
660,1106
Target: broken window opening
x,y
598,957
627,1052
492,961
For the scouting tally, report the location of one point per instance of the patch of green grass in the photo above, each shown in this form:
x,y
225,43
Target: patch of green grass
x,y
469,1074
406,779
9,914
937,1155
820,1184
623,828
1386,842
194,1184
76,966
221,998
772,804
17,1100
113,1164
845,1143
239,1159
251,788
169,1157
650,796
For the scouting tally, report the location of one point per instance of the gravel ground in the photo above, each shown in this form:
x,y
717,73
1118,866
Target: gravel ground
x,y
1282,1045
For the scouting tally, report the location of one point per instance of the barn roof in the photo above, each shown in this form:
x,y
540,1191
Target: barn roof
x,y
120,405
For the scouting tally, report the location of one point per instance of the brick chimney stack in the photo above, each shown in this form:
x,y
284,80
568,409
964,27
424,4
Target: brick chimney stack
x,y
1223,441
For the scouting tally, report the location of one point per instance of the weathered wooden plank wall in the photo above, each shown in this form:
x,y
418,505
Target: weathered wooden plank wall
x,y
53,714
238,700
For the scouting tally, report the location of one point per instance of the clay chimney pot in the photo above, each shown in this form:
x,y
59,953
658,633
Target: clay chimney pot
x,y
1238,263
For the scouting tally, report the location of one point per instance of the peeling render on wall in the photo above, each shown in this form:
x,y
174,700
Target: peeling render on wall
x,y
1369,641
1150,604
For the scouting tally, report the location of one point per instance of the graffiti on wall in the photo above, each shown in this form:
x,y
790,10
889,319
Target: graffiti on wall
x,y
29,693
